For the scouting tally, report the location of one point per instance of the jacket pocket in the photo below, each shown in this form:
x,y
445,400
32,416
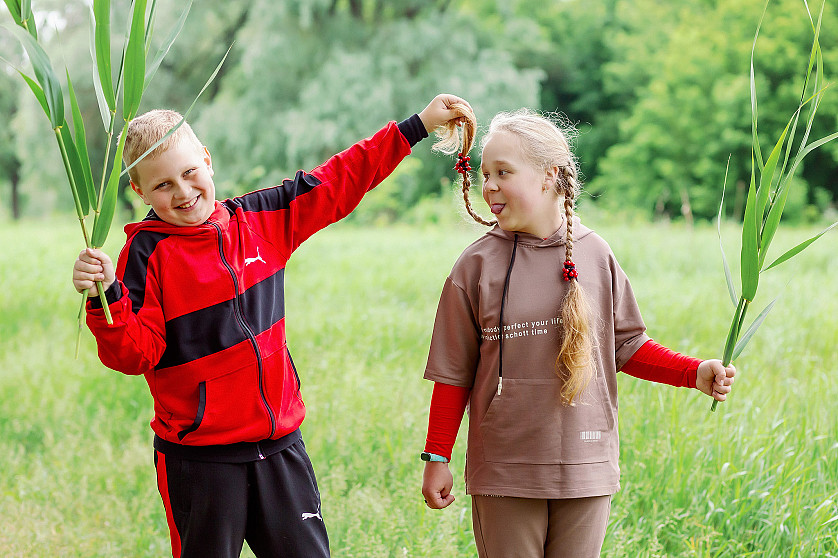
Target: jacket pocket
x,y
199,414
223,410
529,424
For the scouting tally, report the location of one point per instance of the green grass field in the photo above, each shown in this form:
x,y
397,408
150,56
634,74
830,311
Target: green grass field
x,y
757,478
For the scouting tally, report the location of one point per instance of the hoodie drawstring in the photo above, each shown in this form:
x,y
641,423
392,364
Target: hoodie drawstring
x,y
502,304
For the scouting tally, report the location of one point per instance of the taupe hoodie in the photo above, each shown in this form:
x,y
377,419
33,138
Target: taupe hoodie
x,y
524,442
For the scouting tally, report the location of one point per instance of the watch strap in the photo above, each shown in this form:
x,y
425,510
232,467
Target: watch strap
x,y
427,456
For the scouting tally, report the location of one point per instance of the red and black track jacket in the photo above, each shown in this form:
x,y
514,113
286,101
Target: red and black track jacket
x,y
200,311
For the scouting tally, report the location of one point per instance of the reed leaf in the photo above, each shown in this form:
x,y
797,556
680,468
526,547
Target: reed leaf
x,y
754,113
81,143
149,26
731,288
749,256
800,247
167,45
102,42
75,173
134,64
102,225
101,102
746,337
185,115
26,19
37,91
775,211
14,9
44,74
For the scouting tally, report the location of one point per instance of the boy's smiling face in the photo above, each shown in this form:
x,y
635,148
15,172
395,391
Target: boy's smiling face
x,y
178,184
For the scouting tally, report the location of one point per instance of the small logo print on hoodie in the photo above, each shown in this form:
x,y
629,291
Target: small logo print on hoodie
x,y
258,258
590,435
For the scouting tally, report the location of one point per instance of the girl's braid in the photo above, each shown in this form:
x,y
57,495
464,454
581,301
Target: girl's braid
x,y
569,191
449,141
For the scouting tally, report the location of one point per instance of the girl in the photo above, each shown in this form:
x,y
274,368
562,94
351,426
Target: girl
x,y
533,323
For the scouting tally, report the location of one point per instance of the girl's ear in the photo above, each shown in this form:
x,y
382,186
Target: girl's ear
x,y
551,178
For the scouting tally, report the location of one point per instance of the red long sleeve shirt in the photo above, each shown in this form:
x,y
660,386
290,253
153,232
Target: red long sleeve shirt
x,y
652,362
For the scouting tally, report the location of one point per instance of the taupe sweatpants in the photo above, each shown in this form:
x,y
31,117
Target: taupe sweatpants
x,y
506,527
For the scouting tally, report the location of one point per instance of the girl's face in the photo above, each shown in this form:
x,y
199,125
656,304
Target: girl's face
x,y
522,197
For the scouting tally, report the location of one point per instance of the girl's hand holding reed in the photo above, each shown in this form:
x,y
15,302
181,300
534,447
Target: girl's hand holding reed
x,y
714,379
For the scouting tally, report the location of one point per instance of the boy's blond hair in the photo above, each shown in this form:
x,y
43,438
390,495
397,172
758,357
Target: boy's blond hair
x,y
147,129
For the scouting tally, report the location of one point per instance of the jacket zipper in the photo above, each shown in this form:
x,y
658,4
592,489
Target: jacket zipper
x,y
249,332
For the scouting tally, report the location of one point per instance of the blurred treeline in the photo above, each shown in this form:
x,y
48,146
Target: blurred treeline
x,y
659,91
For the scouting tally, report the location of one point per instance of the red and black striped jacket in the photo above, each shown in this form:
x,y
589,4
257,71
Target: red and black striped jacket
x,y
200,311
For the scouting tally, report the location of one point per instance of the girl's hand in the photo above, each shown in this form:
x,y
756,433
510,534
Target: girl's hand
x,y
91,266
437,482
714,379
441,110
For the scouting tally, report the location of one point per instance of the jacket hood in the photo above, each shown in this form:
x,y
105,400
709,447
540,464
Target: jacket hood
x,y
152,223
556,239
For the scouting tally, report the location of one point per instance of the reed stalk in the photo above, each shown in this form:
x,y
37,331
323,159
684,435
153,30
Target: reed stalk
x,y
768,192
132,78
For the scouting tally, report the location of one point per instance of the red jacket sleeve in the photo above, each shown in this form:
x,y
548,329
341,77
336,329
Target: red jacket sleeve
x,y
296,209
656,363
447,406
134,343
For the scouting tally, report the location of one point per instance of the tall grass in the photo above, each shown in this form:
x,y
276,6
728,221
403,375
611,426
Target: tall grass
x,y
757,478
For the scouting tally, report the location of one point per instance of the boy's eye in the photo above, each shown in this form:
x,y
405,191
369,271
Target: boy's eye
x,y
188,172
161,185
501,172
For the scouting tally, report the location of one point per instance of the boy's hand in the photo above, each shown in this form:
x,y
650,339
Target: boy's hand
x,y
91,266
714,379
440,111
437,482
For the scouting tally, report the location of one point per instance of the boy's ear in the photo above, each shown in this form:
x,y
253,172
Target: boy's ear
x,y
208,161
139,192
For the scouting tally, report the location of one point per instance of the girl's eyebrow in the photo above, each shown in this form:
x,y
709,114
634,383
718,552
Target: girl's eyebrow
x,y
500,162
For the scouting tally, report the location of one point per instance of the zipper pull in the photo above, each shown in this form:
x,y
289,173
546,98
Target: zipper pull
x,y
259,450
500,384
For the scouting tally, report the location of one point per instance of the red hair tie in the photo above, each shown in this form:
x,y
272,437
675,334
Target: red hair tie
x,y
462,165
569,272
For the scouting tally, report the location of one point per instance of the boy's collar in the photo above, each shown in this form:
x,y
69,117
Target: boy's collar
x,y
220,216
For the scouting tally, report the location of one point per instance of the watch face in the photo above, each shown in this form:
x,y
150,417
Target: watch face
x,y
425,456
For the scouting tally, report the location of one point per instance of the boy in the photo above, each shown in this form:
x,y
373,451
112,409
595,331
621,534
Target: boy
x,y
198,308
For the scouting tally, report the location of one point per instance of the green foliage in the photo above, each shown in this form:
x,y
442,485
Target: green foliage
x,y
659,90
758,480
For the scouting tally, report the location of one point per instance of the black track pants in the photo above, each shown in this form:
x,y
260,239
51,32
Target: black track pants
x,y
273,504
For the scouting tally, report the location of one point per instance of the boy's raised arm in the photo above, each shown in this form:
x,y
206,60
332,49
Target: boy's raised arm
x,y
301,206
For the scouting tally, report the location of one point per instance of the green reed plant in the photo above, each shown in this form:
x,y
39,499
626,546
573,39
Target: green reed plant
x,y
130,80
770,185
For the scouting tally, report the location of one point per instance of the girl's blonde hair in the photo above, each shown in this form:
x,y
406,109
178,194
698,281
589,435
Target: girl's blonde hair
x,y
147,129
545,144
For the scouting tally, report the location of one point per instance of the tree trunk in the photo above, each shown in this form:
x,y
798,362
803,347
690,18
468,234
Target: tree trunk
x,y
356,8
14,180
686,208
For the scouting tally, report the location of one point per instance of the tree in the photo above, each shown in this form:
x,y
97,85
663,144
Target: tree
x,y
9,163
315,80
694,111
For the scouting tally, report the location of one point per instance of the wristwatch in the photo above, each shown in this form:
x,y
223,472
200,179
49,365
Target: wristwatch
x,y
426,456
